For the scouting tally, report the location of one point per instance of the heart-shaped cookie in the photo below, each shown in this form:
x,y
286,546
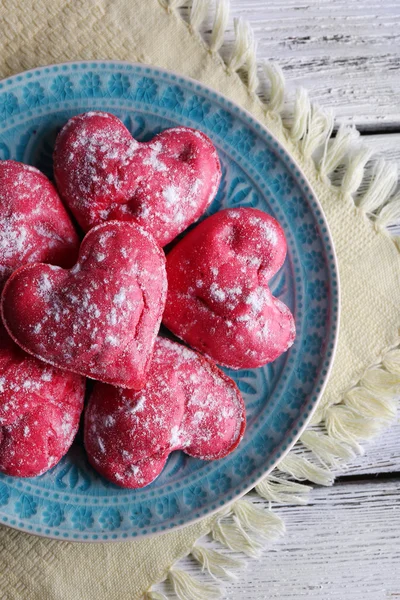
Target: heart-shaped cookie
x,y
187,404
40,407
100,318
34,225
164,185
218,297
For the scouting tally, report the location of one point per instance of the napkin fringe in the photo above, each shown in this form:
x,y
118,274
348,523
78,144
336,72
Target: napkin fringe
x,y
336,432
198,13
372,183
215,563
303,469
244,528
221,19
187,587
368,407
281,490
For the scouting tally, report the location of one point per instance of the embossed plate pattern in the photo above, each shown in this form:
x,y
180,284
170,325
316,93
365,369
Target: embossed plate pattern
x,y
72,501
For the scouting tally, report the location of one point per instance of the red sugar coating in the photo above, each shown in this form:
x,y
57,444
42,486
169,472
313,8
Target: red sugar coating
x,y
100,318
34,225
218,297
187,404
40,407
164,185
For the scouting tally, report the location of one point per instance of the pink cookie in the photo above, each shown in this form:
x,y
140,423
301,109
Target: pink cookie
x,y
218,298
100,318
187,404
34,225
40,407
164,185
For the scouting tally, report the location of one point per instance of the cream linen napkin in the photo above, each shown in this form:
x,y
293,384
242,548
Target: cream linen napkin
x,y
366,372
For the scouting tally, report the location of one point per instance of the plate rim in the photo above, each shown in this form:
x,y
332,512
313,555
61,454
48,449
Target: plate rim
x,y
329,360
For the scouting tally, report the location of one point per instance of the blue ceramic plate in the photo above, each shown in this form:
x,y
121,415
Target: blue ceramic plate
x,y
72,501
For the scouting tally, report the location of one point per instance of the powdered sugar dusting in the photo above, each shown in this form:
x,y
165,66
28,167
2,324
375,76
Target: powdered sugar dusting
x,y
39,411
268,229
187,403
34,225
217,293
219,300
164,185
99,319
152,159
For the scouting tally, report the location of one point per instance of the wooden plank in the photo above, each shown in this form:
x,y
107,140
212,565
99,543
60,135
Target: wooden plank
x,y
382,455
345,53
342,546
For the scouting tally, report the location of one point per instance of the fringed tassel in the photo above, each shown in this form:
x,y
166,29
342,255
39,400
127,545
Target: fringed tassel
x,y
198,13
277,90
283,491
244,53
330,452
319,129
232,535
301,115
336,149
242,531
244,43
264,523
349,426
220,25
381,382
370,405
381,187
252,67
356,161
215,563
304,470
187,587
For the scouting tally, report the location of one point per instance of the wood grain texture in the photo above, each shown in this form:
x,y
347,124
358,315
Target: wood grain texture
x,y
382,455
342,546
346,54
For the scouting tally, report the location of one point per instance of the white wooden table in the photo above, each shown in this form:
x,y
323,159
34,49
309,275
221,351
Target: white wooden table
x,y
345,545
